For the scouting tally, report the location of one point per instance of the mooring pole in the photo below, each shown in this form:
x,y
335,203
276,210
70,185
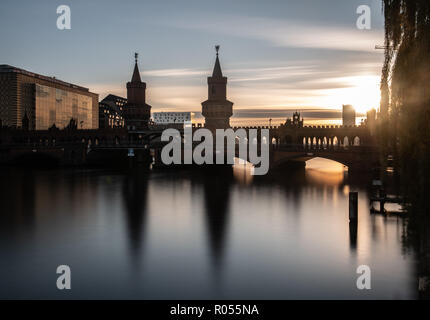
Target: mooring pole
x,y
353,206
382,196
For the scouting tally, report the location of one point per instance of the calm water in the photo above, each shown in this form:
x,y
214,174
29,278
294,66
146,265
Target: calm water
x,y
196,235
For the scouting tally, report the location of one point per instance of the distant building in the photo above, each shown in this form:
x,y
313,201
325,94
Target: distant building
x,y
296,121
137,112
111,112
36,102
217,110
119,102
172,117
348,115
371,120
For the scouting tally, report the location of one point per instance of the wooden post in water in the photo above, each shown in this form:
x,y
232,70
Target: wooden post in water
x,y
382,196
353,206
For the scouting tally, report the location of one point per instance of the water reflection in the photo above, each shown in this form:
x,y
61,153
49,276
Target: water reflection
x,y
198,234
353,227
135,191
18,201
217,197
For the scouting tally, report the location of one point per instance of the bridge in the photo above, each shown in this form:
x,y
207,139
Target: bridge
x,y
352,146
356,158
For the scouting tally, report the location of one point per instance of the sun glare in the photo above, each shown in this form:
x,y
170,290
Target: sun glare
x,y
363,92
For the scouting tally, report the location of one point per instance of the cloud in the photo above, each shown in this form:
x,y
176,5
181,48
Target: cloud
x,y
176,73
271,89
235,74
318,90
285,33
272,73
308,112
103,89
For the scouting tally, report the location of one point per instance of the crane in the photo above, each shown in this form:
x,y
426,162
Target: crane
x,y
379,47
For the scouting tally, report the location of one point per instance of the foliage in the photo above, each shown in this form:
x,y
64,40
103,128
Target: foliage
x,y
405,89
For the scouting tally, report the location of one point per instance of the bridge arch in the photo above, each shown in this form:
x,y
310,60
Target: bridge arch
x,y
345,141
335,141
305,157
357,141
288,139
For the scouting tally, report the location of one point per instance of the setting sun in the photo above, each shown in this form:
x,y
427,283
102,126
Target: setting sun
x,y
363,92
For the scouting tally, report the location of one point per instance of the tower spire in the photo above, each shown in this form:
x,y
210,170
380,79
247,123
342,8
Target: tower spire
x,y
136,112
217,68
217,110
136,73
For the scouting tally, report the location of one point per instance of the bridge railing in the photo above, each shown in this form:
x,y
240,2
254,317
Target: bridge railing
x,y
321,148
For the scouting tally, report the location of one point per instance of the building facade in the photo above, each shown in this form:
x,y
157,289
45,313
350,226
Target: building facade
x,y
36,102
111,112
217,110
137,112
348,115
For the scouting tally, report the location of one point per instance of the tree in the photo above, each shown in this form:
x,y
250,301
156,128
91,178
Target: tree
x,y
73,125
405,91
406,94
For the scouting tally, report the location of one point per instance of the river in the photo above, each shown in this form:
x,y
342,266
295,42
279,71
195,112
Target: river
x,y
196,234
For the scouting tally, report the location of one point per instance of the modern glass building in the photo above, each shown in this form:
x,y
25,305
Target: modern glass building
x,y
44,101
57,106
172,117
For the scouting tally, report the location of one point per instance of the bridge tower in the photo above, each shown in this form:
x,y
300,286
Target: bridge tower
x,y
217,110
136,112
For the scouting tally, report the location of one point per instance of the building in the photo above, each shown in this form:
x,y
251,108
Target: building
x,y
36,102
119,102
172,117
217,110
296,122
371,121
348,115
111,112
137,112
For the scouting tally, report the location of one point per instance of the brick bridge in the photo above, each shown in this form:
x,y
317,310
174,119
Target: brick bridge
x,y
352,146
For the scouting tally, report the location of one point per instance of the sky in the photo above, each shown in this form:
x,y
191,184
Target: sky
x,y
279,55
